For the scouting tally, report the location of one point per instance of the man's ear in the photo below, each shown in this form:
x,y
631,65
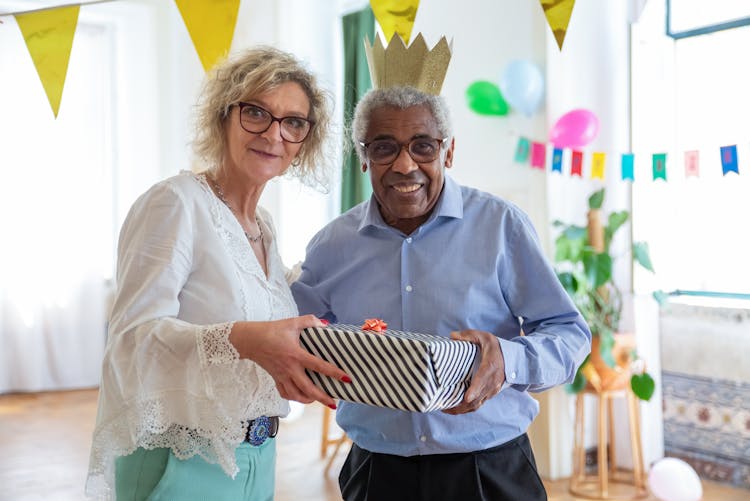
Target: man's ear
x,y
449,154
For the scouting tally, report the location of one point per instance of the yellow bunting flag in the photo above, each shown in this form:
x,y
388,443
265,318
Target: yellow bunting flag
x,y
598,160
558,14
395,16
211,26
49,37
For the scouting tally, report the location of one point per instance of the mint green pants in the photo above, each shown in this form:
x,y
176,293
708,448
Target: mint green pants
x,y
157,475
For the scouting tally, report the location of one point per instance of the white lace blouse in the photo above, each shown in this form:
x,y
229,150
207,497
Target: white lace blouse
x,y
170,377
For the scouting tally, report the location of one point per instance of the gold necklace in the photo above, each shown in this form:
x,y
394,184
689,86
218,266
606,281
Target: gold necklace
x,y
220,194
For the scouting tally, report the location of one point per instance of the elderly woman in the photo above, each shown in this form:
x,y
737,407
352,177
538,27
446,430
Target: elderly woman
x,y
203,343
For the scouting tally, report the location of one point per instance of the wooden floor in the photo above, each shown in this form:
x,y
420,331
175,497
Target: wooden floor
x,y
45,440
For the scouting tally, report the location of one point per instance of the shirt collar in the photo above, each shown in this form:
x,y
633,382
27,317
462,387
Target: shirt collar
x,y
449,205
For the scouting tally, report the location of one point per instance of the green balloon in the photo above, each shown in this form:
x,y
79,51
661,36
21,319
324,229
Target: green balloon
x,y
485,98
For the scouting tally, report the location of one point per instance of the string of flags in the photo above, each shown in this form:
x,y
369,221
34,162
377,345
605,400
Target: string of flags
x,y
534,154
49,33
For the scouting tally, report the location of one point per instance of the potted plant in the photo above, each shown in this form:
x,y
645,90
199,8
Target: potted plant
x,y
584,267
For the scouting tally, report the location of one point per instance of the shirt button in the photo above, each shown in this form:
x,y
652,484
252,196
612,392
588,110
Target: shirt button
x,y
408,288
423,438
513,375
408,240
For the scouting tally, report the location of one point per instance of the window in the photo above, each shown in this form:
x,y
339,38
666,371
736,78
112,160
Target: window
x,y
691,94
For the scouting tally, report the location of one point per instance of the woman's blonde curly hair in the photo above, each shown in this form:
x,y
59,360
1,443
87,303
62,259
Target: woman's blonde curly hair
x,y
249,74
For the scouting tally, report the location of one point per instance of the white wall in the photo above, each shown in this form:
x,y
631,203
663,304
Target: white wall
x,y
593,71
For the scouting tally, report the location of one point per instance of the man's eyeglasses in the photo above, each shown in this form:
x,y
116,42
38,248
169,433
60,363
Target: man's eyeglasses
x,y
256,120
386,151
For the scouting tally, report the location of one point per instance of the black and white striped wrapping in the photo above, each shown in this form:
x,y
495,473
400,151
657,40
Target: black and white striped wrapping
x,y
401,370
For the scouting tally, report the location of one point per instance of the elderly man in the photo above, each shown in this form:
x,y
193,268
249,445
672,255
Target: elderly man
x,y
428,255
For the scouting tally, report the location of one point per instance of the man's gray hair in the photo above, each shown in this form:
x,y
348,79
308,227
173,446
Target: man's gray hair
x,y
397,97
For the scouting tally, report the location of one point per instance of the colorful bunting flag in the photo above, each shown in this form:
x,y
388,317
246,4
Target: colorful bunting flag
x,y
659,166
627,167
557,155
598,160
558,14
395,16
576,164
522,150
49,37
535,154
538,155
729,159
211,26
691,163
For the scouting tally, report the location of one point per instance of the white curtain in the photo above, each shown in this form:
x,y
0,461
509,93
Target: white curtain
x,y
55,217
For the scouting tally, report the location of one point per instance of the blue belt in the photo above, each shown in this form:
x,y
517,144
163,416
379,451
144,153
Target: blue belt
x,y
261,429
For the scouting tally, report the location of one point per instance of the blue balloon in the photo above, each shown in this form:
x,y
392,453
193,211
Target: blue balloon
x,y
522,86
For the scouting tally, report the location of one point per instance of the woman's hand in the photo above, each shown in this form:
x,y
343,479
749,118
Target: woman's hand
x,y
275,346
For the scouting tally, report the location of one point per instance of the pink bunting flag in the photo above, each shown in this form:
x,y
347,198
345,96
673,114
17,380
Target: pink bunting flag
x,y
691,163
538,154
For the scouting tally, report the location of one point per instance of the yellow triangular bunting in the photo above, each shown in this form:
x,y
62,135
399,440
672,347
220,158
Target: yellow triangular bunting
x,y
395,16
558,16
211,26
49,37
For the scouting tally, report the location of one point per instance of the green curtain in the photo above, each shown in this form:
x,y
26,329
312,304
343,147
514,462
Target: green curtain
x,y
355,186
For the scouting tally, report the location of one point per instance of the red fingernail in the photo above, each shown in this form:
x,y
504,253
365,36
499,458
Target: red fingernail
x,y
346,379
332,406
324,321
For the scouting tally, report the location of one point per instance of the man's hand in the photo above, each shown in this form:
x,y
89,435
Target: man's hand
x,y
490,374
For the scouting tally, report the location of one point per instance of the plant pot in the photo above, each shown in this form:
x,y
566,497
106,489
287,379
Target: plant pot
x,y
602,377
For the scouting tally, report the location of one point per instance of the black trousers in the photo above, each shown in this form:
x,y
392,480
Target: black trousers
x,y
503,473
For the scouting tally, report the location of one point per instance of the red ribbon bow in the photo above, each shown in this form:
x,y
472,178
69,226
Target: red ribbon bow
x,y
374,324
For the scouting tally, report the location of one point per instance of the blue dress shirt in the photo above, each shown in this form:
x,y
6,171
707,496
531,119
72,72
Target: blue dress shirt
x,y
475,263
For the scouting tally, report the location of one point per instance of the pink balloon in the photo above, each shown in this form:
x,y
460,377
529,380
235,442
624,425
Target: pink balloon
x,y
574,129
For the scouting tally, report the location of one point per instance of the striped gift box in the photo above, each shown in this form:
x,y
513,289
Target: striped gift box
x,y
401,370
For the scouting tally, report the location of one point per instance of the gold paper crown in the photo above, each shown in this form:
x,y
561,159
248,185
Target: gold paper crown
x,y
415,66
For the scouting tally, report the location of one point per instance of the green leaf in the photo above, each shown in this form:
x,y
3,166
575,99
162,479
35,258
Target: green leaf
x,y
614,223
598,268
578,384
596,199
569,243
661,296
574,232
642,255
562,249
579,381
643,386
617,219
606,344
568,281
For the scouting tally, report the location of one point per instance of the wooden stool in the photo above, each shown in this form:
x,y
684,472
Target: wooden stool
x,y
628,486
326,440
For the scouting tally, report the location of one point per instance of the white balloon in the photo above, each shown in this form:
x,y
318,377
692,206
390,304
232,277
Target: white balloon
x,y
522,86
672,479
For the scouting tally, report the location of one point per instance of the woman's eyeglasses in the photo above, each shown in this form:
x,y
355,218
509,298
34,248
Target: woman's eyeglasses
x,y
257,120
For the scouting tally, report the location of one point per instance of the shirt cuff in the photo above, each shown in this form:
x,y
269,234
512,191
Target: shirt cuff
x,y
514,357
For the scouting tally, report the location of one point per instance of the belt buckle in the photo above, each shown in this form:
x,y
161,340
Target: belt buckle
x,y
261,429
